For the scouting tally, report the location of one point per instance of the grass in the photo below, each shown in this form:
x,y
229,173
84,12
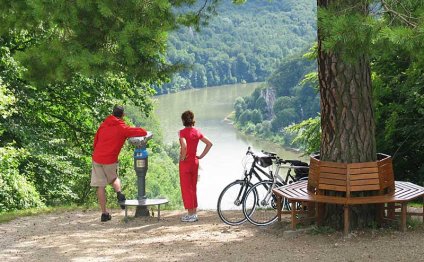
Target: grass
x,y
319,230
9,216
415,204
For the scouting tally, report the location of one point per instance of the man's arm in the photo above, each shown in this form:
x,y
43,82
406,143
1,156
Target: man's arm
x,y
133,131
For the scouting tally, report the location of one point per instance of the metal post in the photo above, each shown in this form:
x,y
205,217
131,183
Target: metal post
x,y
140,166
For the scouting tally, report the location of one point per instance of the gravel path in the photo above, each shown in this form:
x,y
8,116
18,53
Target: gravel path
x,y
80,236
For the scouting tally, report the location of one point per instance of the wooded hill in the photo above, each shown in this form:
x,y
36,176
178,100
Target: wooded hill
x,y
243,43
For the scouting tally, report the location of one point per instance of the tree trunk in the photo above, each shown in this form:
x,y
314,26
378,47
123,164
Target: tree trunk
x,y
347,117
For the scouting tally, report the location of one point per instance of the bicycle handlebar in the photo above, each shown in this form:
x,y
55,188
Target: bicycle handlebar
x,y
293,163
255,155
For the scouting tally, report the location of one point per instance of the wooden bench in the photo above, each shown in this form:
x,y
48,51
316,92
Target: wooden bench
x,y
347,185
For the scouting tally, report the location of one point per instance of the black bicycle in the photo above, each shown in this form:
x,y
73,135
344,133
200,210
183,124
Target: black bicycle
x,y
260,203
231,199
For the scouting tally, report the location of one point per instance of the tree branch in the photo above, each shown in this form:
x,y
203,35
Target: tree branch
x,y
404,18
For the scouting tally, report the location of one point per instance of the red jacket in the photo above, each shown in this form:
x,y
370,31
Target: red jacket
x,y
110,138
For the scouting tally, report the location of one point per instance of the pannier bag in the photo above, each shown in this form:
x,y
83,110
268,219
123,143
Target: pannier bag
x,y
265,161
301,172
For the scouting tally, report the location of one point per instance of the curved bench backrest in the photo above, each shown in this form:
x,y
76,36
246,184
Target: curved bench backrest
x,y
352,177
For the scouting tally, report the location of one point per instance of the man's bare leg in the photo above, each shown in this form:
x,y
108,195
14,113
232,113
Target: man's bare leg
x,y
116,184
101,196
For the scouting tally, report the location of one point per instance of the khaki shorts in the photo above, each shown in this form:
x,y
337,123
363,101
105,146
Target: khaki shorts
x,y
102,175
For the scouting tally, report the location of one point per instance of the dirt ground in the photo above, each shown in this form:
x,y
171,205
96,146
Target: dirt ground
x,y
80,236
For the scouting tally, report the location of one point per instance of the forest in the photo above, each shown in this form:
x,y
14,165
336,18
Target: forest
x,y
289,96
241,44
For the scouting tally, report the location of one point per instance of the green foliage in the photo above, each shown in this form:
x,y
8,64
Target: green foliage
x,y
16,191
308,134
400,116
63,65
398,59
347,31
290,97
396,52
243,43
92,37
7,99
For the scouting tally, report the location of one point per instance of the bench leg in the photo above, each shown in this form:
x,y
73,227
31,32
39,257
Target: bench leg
x,y
158,212
293,215
380,214
126,214
391,210
403,217
346,219
310,209
423,210
320,209
279,207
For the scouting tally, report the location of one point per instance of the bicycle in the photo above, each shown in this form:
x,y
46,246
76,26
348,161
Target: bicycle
x,y
229,206
260,204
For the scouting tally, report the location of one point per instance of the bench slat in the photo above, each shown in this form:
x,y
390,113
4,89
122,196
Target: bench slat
x,y
325,181
332,176
365,170
362,165
365,182
332,187
364,176
364,188
331,164
332,170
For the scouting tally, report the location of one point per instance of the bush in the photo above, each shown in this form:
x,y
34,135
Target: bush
x,y
16,191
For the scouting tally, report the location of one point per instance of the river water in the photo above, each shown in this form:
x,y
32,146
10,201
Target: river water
x,y
211,105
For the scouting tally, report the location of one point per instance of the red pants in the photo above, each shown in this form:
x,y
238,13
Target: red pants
x,y
188,180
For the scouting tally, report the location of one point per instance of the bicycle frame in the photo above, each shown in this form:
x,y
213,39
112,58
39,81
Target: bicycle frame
x,y
276,178
254,170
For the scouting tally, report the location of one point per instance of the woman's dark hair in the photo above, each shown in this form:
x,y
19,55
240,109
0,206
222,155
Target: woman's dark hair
x,y
188,118
118,111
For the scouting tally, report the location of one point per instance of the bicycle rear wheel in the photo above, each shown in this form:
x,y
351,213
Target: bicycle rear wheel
x,y
260,210
230,202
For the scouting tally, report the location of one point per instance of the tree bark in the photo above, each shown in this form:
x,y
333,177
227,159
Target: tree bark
x,y
347,116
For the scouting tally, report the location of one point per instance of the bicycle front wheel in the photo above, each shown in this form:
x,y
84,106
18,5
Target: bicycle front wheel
x,y
260,210
230,202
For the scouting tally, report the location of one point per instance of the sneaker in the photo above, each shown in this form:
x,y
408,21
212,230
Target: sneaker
x,y
190,218
121,199
185,218
105,217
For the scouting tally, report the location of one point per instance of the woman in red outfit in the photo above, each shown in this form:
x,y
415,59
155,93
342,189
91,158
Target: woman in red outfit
x,y
189,163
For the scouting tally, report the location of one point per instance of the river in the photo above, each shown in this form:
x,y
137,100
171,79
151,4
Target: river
x,y
211,105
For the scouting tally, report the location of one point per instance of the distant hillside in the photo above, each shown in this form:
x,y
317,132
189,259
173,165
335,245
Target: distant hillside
x,y
244,43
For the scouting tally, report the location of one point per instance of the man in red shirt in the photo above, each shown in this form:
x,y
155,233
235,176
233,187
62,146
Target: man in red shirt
x,y
108,142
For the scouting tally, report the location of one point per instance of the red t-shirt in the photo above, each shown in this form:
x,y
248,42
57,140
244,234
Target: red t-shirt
x,y
110,138
192,136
